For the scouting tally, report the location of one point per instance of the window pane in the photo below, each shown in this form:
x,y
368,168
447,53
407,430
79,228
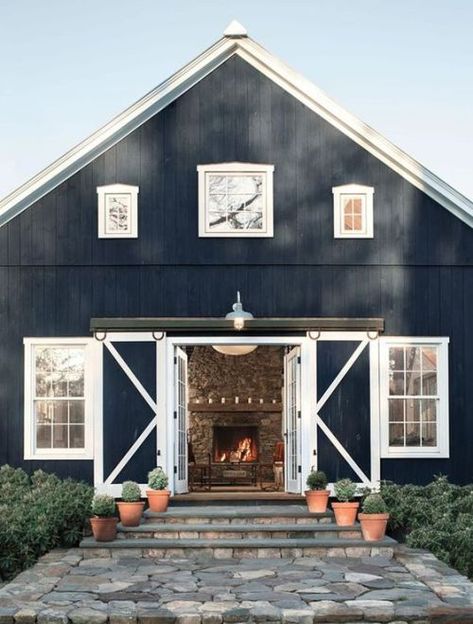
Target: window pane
x,y
396,434
357,223
348,223
357,205
245,184
429,358
396,410
396,383
413,358
76,433
396,358
429,434
413,434
76,411
217,184
243,202
429,383
44,412
413,410
43,436
60,437
60,412
413,386
429,410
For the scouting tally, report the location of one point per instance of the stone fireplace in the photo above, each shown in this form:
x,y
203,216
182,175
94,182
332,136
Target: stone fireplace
x,y
235,444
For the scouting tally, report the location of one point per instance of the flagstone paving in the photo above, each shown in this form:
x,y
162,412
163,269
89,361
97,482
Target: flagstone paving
x,y
74,586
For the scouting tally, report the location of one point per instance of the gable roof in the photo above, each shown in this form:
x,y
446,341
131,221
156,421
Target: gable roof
x,y
235,41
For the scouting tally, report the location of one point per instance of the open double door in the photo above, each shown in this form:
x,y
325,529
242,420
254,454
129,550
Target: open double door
x,y
291,420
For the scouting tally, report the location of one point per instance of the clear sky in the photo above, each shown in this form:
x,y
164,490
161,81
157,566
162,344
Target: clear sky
x,y
403,66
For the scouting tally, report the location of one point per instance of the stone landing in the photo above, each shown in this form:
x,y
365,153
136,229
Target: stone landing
x,y
82,586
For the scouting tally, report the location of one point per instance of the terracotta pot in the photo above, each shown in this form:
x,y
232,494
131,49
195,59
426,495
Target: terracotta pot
x,y
345,513
158,499
104,529
317,500
373,526
130,513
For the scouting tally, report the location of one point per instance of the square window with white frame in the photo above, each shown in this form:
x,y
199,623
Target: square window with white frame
x,y
235,200
58,398
353,211
414,397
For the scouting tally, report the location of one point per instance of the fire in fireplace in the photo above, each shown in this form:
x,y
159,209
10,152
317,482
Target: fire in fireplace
x,y
235,443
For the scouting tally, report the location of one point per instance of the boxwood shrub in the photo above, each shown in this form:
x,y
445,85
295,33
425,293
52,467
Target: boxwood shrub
x,y
38,513
438,517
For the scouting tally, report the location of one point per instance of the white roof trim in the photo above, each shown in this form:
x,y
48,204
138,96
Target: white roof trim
x,y
184,79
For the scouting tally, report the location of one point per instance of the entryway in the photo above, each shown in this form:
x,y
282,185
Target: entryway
x,y
237,418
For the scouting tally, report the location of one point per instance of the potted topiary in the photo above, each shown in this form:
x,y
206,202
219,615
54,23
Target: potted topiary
x,y
131,506
345,509
317,494
158,495
104,520
373,518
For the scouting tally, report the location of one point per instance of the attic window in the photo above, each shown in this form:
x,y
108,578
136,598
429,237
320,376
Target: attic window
x,y
353,211
235,200
118,211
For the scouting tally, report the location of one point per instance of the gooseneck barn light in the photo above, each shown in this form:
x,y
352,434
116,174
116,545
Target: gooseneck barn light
x,y
239,315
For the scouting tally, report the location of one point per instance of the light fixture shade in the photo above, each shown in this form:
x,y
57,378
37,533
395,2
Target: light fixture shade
x,y
234,349
239,315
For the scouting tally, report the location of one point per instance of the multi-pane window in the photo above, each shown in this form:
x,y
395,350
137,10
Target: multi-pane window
x,y
353,211
414,403
56,403
235,199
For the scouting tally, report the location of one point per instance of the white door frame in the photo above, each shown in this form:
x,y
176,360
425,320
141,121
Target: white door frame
x,y
308,433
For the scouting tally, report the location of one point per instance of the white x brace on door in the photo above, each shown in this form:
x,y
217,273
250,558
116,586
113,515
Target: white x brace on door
x,y
365,341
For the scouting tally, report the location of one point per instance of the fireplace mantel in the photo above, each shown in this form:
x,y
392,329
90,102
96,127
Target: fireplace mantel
x,y
234,407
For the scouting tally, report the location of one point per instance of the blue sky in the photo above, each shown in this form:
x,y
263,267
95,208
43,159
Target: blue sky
x,y
403,66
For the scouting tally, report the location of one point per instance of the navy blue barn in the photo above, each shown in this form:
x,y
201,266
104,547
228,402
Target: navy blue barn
x,y
237,174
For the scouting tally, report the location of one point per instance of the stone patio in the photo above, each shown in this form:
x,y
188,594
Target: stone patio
x,y
117,587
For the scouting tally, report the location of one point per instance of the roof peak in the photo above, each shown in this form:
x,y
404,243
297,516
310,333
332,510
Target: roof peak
x,y
235,30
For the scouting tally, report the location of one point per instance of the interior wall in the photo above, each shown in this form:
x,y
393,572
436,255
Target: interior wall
x,y
258,375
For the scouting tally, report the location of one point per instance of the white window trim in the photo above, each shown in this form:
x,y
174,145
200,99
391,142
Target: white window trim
x,y
239,168
111,189
91,397
366,192
442,450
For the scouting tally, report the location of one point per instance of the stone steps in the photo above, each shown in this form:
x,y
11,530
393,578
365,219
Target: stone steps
x,y
240,549
239,531
235,515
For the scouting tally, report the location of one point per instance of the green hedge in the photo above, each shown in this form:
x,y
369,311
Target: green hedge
x,y
38,513
438,517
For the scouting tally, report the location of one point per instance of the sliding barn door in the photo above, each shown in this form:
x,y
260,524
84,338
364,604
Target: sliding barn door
x,y
180,421
292,419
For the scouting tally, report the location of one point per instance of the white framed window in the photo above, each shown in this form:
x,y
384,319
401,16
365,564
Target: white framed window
x,y
414,397
353,211
118,211
235,200
59,398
